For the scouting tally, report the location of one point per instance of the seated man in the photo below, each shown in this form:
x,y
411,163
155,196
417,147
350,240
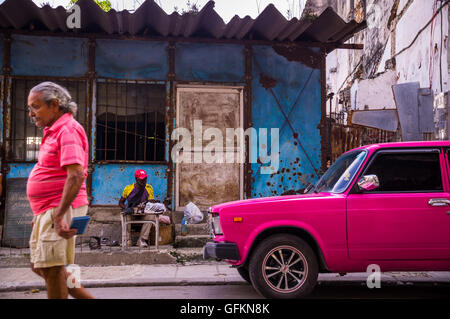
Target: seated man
x,y
135,195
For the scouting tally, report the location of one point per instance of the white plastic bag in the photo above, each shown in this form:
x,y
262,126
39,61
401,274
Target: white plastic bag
x,y
151,208
192,214
163,219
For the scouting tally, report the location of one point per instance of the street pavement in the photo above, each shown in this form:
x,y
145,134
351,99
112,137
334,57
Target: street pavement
x,y
196,274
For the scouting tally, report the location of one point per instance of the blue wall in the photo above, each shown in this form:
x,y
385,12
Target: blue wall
x,y
49,56
110,180
18,170
137,60
199,63
300,100
2,51
132,60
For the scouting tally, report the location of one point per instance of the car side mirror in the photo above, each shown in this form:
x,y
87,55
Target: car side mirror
x,y
368,182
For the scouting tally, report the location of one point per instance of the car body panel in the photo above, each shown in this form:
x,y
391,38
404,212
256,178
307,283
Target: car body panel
x,y
395,231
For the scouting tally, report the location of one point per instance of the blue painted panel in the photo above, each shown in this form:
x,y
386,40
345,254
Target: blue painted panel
x,y
109,180
2,51
297,86
2,89
49,56
209,62
17,170
126,59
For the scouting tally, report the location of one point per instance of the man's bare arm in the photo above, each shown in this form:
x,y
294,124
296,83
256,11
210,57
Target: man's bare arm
x,y
122,202
75,178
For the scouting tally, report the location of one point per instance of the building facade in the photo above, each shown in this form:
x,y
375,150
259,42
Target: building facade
x,y
405,46
139,77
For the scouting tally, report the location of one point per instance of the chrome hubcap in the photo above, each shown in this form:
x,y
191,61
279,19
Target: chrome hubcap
x,y
285,269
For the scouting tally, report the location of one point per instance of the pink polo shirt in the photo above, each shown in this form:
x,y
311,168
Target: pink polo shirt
x,y
64,143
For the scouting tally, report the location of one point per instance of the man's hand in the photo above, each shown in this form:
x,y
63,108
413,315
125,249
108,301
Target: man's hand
x,y
62,229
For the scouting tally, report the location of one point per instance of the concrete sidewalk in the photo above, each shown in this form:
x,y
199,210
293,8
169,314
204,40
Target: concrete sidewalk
x,y
206,273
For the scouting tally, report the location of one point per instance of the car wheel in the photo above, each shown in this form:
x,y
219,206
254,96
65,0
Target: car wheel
x,y
243,271
283,267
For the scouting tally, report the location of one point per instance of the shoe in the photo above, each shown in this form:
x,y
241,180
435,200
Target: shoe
x,y
142,243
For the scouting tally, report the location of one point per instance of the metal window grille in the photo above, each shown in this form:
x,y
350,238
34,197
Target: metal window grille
x,y
130,122
25,136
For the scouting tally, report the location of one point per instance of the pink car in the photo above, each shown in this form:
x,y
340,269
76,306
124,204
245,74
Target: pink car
x,y
384,204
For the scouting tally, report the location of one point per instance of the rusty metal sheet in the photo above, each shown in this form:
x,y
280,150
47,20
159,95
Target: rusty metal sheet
x,y
199,109
426,115
150,20
382,119
208,184
215,108
415,110
287,97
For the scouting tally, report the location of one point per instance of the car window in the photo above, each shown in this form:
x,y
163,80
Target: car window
x,y
339,176
406,172
448,158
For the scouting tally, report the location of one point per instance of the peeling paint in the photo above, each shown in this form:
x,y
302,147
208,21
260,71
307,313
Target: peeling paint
x,y
299,99
295,90
266,81
306,56
109,181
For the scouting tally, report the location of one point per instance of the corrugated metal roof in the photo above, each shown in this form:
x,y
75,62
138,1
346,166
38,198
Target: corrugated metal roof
x,y
150,20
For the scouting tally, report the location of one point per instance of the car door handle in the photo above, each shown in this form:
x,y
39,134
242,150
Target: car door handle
x,y
436,202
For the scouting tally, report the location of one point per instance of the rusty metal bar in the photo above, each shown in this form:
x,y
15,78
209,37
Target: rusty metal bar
x,y
89,114
135,129
132,162
323,107
145,127
248,119
115,131
154,135
24,145
126,119
328,46
169,118
6,96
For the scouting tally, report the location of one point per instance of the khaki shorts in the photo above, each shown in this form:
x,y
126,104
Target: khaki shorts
x,y
47,248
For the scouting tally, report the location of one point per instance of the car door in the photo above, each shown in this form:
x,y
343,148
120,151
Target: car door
x,y
406,218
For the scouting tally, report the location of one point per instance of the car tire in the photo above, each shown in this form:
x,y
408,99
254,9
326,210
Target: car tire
x,y
243,271
283,267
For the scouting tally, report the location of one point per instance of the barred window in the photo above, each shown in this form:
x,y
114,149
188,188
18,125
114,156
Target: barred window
x,y
25,136
130,121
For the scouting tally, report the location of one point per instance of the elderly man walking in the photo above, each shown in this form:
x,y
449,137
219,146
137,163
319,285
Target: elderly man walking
x,y
56,187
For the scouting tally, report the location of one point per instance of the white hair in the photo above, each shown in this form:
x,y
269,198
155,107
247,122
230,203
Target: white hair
x,y
52,91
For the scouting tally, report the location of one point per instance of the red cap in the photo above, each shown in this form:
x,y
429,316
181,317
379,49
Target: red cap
x,y
140,173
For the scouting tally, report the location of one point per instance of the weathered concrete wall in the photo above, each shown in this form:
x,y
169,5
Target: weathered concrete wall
x,y
425,60
393,25
105,222
375,93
